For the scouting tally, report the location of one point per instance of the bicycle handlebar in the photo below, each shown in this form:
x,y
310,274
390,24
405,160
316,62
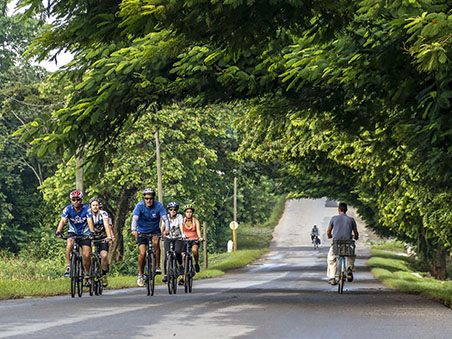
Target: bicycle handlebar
x,y
76,236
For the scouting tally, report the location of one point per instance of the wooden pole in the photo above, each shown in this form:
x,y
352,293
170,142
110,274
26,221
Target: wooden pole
x,y
159,186
79,174
204,235
235,215
159,166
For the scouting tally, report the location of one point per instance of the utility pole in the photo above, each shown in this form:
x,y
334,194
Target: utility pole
x,y
206,265
159,185
234,239
159,166
79,173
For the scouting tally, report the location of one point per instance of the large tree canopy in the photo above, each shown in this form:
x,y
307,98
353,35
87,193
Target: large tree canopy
x,y
351,98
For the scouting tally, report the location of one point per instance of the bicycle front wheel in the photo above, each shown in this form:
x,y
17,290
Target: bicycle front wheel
x,y
175,273
79,269
152,277
170,274
73,269
93,277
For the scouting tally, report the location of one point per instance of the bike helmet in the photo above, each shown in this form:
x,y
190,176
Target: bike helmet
x,y
76,194
173,204
149,191
94,199
189,207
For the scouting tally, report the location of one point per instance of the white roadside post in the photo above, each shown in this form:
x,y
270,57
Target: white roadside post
x,y
233,226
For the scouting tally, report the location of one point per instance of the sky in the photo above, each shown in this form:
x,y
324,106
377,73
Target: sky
x,y
62,58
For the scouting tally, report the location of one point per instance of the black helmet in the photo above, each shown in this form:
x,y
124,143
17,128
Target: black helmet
x,y
173,204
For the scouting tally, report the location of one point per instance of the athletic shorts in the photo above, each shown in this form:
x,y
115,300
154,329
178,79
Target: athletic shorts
x,y
142,240
84,242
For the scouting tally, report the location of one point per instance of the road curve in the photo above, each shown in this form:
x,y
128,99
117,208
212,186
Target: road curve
x,y
282,295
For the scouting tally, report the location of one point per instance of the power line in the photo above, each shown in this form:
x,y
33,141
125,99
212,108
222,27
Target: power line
x,y
28,104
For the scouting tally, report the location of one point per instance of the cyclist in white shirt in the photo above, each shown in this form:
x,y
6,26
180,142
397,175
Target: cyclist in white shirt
x,y
175,231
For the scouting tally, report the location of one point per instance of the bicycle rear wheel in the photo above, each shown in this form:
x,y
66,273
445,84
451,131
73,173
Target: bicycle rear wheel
x,y
79,268
340,285
72,265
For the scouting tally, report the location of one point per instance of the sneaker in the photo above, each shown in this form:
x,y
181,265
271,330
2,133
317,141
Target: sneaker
x,y
181,282
332,281
140,280
158,270
165,278
67,273
104,281
181,270
87,280
197,268
349,275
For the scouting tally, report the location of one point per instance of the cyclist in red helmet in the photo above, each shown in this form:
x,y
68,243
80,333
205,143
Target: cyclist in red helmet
x,y
80,223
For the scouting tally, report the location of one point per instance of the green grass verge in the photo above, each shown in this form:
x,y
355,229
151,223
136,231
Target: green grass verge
x,y
398,272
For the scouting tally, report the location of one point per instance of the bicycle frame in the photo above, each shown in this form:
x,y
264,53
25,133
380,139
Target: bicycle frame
x,y
172,266
150,263
96,268
76,265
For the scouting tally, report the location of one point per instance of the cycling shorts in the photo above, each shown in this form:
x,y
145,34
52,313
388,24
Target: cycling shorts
x,y
142,240
84,242
102,246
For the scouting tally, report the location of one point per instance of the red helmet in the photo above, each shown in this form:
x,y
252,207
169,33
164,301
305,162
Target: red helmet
x,y
76,194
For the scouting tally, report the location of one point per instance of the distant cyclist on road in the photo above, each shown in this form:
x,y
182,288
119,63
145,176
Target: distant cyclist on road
x,y
146,220
341,227
103,229
176,221
314,232
192,231
80,223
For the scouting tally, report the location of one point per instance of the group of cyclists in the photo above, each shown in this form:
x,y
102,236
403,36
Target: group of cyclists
x,y
148,217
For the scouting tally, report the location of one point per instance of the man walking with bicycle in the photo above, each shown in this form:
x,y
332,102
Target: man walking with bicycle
x,y
146,220
341,227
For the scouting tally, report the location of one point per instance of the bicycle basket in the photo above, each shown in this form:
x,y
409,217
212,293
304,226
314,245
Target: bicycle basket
x,y
344,247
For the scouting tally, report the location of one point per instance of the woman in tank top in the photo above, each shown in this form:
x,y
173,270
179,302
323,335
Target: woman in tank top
x,y
192,230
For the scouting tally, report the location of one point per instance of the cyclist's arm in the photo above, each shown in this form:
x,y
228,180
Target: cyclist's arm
x,y
355,230
166,222
107,227
90,224
198,228
134,223
61,224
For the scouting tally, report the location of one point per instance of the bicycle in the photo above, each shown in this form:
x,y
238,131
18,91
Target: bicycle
x,y
342,249
150,263
172,266
96,268
316,241
189,271
76,265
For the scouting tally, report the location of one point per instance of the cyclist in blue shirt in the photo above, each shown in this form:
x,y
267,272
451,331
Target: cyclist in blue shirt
x,y
146,220
80,223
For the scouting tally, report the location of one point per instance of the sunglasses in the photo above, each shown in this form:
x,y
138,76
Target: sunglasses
x,y
76,199
172,209
148,198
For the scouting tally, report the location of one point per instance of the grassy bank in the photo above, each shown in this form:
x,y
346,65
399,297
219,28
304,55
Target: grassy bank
x,y
398,271
252,242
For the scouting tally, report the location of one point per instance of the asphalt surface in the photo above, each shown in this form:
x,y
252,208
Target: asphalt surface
x,y
282,295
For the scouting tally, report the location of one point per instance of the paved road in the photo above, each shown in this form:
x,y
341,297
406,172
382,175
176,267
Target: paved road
x,y
282,295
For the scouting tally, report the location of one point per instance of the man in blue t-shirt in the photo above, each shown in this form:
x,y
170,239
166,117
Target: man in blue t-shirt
x,y
80,223
341,227
146,220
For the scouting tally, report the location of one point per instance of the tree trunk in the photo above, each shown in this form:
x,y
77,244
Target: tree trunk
x,y
439,265
122,209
